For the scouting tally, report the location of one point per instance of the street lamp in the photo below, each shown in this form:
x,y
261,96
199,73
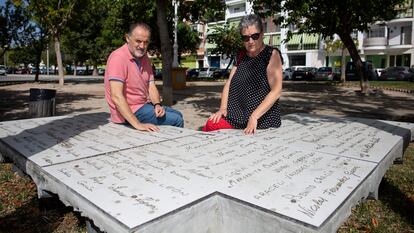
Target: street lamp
x,y
175,58
5,55
176,3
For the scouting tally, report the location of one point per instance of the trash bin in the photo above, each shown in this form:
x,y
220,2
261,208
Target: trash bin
x,y
178,78
42,102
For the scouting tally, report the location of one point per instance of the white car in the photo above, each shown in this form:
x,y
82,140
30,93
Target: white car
x,y
287,73
2,70
206,72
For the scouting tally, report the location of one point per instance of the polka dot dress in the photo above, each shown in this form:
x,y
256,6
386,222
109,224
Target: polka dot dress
x,y
248,88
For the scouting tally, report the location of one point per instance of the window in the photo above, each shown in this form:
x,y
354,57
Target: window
x,y
405,35
376,32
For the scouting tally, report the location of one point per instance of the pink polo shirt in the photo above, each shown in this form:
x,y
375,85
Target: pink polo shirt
x,y
122,67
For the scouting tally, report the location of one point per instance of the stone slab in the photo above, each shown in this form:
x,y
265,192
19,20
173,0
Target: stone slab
x,y
304,176
53,140
359,138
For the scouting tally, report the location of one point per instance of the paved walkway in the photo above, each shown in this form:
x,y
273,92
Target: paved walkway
x,y
200,99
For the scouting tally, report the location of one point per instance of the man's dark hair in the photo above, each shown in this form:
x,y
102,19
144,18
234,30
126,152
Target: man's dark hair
x,y
139,24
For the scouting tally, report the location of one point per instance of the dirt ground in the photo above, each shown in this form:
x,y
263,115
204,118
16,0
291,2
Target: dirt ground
x,y
199,99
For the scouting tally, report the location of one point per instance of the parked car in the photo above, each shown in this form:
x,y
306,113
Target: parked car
x,y
3,70
402,73
101,71
287,73
21,71
350,71
221,73
304,73
337,73
192,73
206,72
324,73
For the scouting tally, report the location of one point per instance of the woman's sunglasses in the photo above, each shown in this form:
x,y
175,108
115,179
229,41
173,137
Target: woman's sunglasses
x,y
254,36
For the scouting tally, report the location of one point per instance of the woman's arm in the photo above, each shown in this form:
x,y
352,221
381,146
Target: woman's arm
x,y
274,75
224,99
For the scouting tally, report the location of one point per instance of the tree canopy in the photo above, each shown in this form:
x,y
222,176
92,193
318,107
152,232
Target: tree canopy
x,y
227,40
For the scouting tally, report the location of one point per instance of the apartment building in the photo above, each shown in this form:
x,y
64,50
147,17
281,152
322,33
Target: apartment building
x,y
385,43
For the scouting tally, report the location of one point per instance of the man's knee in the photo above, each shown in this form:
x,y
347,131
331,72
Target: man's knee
x,y
174,118
178,121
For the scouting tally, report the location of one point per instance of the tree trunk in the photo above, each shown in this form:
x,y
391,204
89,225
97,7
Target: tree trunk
x,y
75,67
343,65
166,51
95,69
38,58
59,60
350,45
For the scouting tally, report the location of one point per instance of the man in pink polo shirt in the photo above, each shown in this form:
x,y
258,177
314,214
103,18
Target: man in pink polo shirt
x,y
130,88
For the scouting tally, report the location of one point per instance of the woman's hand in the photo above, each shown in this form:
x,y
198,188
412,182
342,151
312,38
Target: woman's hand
x,y
218,115
251,126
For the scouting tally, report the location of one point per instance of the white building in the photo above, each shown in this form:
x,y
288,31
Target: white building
x,y
385,44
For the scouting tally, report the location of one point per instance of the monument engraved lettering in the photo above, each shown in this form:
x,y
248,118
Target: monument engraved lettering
x,y
304,171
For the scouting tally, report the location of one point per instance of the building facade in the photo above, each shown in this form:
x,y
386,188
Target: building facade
x,y
384,44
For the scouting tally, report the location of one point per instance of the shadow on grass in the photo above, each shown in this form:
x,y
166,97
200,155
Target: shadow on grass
x,y
42,215
397,200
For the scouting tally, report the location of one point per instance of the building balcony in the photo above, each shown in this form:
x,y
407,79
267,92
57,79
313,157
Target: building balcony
x,y
236,15
375,41
234,2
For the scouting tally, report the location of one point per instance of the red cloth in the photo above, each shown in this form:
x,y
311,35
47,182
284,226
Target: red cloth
x,y
221,124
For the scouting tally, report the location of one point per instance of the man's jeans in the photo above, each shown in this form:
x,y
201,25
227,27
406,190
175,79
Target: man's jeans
x,y
172,117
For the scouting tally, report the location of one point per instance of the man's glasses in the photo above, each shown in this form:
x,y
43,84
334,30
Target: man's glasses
x,y
246,38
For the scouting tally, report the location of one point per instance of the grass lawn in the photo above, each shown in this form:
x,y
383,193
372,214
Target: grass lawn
x,y
21,211
405,85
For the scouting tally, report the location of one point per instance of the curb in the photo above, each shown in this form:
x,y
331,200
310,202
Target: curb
x,y
383,88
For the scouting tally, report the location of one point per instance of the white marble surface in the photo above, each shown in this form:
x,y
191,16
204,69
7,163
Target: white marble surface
x,y
54,140
302,173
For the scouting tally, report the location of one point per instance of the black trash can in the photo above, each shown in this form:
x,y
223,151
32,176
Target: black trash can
x,y
42,102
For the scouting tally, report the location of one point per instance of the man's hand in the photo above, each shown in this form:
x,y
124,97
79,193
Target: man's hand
x,y
159,111
147,127
218,115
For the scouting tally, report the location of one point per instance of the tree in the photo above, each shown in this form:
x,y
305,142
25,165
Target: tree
x,y
82,39
188,40
159,15
329,17
53,16
166,51
334,45
23,55
12,22
227,40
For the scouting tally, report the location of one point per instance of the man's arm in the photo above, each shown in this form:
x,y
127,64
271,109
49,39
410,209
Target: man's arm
x,y
155,99
117,96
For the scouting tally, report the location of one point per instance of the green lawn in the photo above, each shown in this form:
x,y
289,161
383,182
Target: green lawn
x,y
406,85
394,211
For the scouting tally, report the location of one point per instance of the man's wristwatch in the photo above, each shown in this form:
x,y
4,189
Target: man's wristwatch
x,y
156,104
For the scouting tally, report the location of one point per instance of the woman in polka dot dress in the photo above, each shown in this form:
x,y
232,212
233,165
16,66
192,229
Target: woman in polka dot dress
x,y
250,98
